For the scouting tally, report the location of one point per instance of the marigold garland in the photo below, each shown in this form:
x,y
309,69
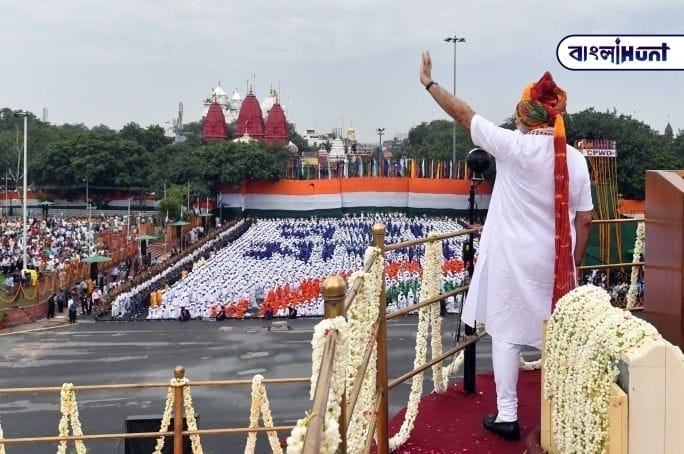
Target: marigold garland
x,y
69,410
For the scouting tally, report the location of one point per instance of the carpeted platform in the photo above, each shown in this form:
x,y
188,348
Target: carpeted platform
x,y
452,422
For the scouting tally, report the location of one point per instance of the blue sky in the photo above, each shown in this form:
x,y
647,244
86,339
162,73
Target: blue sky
x,y
337,64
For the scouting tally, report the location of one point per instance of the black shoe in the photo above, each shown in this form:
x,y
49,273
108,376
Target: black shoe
x,y
507,430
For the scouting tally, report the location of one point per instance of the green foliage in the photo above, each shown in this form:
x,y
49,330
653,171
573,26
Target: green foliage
x,y
435,140
297,139
176,196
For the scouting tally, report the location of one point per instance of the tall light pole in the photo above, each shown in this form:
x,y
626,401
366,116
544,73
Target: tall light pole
x,y
455,40
89,221
380,132
6,210
24,114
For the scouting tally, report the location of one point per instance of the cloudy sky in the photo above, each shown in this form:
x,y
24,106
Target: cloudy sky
x,y
337,64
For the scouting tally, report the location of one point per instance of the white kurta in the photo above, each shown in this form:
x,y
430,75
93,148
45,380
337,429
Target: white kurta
x,y
512,282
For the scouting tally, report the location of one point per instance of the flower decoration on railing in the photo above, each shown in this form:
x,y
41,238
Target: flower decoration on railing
x,y
2,436
362,317
69,410
331,428
428,316
260,405
190,417
638,250
585,338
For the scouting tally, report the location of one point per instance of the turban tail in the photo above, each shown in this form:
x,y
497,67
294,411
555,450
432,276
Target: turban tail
x,y
543,104
564,269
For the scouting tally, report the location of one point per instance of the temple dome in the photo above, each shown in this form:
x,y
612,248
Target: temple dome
x,y
250,119
276,126
215,123
219,96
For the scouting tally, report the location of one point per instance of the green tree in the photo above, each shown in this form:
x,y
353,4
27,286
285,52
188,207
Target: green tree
x,y
434,140
297,139
171,203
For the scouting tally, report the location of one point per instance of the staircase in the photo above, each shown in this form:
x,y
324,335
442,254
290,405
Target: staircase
x,y
157,251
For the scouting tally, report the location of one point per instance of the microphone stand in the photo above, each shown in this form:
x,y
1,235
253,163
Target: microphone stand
x,y
469,353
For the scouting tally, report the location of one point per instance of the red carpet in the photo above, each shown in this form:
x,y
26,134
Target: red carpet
x,y
452,422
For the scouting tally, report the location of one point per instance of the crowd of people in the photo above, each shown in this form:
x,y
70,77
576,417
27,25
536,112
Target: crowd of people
x,y
133,298
276,267
52,242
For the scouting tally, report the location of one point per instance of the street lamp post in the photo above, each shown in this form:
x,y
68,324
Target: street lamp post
x,y
455,40
24,114
90,227
6,210
380,132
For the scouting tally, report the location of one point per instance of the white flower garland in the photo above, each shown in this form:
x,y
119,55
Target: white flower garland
x,y
638,250
189,415
362,318
428,315
260,405
331,436
584,340
417,383
432,274
69,410
2,436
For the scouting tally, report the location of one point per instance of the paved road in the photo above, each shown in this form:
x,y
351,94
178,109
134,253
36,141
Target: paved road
x,y
147,351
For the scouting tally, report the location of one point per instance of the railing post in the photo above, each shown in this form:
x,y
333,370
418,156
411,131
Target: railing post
x,y
333,291
381,429
178,373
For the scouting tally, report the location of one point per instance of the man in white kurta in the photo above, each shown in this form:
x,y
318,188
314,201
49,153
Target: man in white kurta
x,y
513,282
513,279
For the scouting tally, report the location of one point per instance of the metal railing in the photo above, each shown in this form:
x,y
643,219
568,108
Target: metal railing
x,y
177,433
333,290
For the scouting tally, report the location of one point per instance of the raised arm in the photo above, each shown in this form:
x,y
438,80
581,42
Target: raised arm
x,y
453,106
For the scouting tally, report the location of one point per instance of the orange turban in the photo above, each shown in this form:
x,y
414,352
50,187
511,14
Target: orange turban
x,y
540,103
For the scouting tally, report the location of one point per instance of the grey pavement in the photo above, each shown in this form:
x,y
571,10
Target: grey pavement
x,y
49,353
